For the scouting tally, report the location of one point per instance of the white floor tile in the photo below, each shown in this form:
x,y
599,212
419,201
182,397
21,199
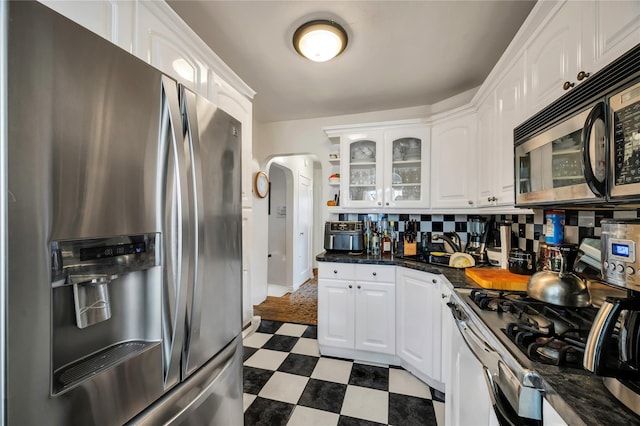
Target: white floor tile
x,y
284,387
256,340
405,383
305,416
247,400
306,346
332,370
367,404
266,359
438,407
294,330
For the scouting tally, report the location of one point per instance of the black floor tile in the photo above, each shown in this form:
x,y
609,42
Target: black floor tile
x,y
254,379
352,421
327,396
369,376
410,410
302,365
269,327
247,352
268,413
282,343
311,332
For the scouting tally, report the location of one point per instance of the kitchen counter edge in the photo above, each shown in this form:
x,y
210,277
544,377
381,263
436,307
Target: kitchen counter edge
x,y
455,276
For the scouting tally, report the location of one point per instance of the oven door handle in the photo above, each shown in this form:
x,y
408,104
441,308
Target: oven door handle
x,y
505,418
488,357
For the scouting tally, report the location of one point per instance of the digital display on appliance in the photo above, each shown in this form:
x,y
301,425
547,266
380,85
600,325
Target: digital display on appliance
x,y
92,253
620,250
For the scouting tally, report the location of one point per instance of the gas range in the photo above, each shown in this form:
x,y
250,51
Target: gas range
x,y
542,332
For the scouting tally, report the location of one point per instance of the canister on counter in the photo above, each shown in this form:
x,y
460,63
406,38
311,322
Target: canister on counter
x,y
554,233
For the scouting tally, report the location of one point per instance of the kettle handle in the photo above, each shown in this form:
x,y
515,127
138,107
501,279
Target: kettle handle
x,y
600,335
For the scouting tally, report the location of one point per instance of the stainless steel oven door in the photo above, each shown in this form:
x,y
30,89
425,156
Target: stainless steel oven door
x,y
566,163
512,401
625,143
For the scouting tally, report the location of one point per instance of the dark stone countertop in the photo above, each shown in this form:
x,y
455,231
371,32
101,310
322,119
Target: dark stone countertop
x,y
456,276
577,395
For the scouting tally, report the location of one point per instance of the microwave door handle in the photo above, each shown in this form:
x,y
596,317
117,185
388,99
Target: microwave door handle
x,y
598,112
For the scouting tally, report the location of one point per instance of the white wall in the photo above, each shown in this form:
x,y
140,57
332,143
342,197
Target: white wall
x,y
277,262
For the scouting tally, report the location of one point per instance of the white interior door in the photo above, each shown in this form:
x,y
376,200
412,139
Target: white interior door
x,y
304,229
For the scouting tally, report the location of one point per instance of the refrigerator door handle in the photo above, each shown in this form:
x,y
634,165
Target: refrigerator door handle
x,y
194,294
176,229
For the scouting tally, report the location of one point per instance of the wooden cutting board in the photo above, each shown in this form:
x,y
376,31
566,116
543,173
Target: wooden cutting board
x,y
498,279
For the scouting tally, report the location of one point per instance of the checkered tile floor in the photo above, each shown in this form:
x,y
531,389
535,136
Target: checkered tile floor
x,y
287,382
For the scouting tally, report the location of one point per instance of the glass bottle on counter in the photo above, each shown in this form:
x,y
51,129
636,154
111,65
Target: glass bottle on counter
x,y
375,242
367,236
386,243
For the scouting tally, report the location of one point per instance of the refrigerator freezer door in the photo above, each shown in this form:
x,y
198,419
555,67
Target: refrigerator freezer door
x,y
214,311
211,396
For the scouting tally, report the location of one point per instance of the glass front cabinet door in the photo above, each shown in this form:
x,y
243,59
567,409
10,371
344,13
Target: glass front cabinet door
x,y
407,167
386,168
362,170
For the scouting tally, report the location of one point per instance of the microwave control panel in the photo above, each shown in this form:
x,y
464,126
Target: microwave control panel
x,y
626,136
620,264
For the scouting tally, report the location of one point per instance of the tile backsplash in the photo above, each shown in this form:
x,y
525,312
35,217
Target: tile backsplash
x,y
529,229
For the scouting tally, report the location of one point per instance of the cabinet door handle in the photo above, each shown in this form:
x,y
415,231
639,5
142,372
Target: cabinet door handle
x,y
350,286
470,202
387,203
489,199
444,296
359,286
379,203
375,273
582,75
434,281
335,271
568,85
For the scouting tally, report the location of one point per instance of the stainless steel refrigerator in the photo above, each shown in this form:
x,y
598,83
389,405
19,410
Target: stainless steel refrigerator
x,y
123,211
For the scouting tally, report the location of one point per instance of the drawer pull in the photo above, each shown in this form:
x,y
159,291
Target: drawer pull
x,y
335,271
375,273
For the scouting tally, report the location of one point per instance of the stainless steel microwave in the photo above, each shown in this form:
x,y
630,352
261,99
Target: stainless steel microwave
x,y
584,149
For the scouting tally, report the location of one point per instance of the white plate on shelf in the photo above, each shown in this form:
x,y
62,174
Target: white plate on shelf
x,y
396,179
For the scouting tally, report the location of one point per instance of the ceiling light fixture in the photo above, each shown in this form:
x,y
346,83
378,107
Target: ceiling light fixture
x,y
320,40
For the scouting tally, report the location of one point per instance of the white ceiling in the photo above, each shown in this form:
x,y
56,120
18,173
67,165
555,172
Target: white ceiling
x,y
400,53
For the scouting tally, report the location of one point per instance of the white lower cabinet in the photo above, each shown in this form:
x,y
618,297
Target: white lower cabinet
x,y
550,416
418,324
356,311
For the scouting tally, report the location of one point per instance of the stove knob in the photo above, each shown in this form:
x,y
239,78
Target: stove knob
x,y
605,264
630,270
620,268
612,266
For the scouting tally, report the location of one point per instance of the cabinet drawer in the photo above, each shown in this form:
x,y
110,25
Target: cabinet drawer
x,y
376,273
337,271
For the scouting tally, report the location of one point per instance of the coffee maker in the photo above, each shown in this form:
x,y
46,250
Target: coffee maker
x,y
478,229
613,347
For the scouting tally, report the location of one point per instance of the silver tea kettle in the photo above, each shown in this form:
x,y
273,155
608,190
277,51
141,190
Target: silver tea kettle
x,y
559,288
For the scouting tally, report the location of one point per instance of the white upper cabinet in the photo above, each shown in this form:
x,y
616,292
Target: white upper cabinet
x,y
554,57
487,147
579,39
510,113
407,167
384,165
610,29
453,162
